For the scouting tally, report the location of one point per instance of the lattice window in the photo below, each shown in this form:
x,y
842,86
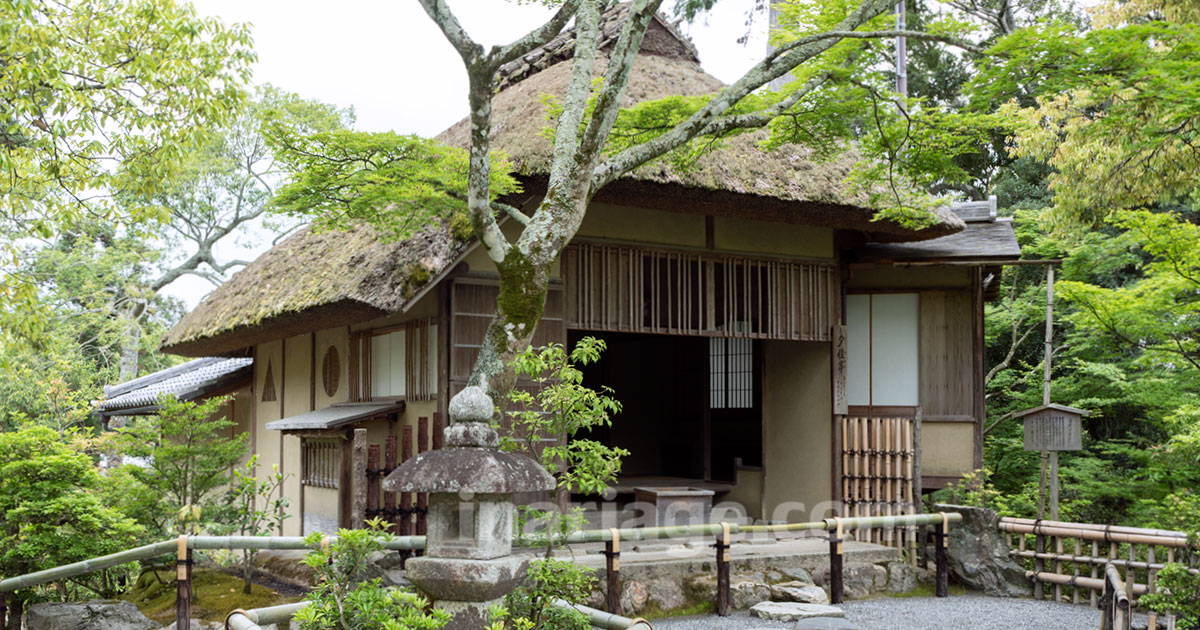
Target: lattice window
x,y
630,289
320,462
731,373
398,361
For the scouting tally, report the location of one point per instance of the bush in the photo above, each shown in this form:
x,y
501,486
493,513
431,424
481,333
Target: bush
x,y
344,600
547,580
1177,593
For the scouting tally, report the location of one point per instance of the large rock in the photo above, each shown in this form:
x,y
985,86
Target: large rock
x,y
634,596
859,579
978,555
666,594
798,592
702,587
792,611
902,577
93,615
743,595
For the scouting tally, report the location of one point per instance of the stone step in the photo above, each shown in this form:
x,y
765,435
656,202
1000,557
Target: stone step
x,y
794,611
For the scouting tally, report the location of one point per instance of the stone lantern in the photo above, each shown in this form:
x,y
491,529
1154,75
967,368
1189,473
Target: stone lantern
x,y
468,565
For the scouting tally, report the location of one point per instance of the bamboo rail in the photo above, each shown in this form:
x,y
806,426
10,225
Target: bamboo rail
x,y
255,618
1115,605
183,546
1107,543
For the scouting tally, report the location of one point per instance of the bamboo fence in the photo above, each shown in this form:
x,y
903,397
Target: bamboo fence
x,y
1071,556
878,477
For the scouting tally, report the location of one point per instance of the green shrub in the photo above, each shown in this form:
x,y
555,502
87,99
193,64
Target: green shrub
x,y
344,600
1177,593
547,580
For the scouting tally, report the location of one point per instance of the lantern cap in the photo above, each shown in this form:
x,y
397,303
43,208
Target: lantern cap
x,y
1063,408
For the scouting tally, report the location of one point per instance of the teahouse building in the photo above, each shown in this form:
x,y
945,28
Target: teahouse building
x,y
769,339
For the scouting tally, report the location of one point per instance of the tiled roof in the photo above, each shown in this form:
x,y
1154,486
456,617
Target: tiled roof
x,y
186,382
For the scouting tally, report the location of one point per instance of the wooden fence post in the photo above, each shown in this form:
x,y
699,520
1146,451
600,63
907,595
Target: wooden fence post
x,y
359,509
422,497
1039,564
722,546
943,574
835,563
406,444
183,589
612,574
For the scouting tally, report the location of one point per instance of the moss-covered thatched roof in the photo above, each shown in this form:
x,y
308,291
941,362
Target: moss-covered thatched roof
x,y
312,281
738,178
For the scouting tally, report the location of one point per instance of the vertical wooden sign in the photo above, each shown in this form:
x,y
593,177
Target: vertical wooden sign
x,y
841,397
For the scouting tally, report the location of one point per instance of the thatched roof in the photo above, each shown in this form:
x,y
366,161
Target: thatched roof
x,y
738,178
312,281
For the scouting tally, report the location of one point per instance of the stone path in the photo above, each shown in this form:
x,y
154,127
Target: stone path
x,y
973,612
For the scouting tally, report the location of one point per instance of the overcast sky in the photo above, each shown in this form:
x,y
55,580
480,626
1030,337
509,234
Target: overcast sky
x,y
388,60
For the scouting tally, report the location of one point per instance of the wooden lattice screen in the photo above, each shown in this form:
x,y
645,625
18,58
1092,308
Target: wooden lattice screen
x,y
406,511
878,475
320,462
630,289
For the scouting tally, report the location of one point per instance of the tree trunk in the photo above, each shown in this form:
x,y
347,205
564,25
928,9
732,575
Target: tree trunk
x,y
131,332
247,571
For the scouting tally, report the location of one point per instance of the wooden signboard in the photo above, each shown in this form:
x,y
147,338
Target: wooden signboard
x,y
841,396
1053,428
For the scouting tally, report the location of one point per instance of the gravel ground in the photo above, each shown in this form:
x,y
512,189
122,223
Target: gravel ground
x,y
963,612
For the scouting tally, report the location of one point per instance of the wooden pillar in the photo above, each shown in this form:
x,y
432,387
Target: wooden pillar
x,y
183,588
422,497
359,509
943,573
406,444
612,573
722,546
1039,564
836,591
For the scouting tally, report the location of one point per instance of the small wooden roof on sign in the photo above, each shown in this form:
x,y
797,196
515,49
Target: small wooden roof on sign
x,y
1062,408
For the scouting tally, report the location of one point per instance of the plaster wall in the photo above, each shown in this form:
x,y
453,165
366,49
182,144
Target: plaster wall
x,y
797,431
624,223
947,448
887,277
268,378
768,237
320,510
298,375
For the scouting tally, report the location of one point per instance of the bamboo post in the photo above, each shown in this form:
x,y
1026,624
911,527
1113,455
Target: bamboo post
x,y
1058,548
1095,568
1130,572
359,456
1151,578
612,573
1039,565
183,585
722,546
1075,574
943,573
835,563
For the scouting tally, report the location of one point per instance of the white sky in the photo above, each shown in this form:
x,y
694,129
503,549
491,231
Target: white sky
x,y
389,61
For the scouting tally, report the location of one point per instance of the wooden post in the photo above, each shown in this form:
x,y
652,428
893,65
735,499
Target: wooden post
x,y
389,498
406,497
359,509
183,588
612,573
1151,579
3,610
373,475
835,563
943,574
439,427
1039,564
422,498
722,546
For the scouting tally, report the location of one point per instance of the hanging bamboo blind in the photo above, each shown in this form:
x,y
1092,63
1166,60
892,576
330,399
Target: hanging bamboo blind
x,y
877,474
320,462
630,289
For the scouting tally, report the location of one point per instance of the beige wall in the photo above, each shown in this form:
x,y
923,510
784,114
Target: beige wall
x,y
767,237
908,278
268,358
797,431
623,223
339,340
947,448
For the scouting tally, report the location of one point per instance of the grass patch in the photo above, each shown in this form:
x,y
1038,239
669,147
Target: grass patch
x,y
691,609
214,595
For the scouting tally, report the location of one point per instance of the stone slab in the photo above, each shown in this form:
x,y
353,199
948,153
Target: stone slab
x,y
793,611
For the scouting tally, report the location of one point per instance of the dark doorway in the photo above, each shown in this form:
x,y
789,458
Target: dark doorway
x,y
686,414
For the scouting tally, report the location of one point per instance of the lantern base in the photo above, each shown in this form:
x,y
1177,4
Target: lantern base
x,y
467,615
462,580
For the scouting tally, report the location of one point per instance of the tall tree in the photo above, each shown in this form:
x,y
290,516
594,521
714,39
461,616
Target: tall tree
x,y
97,98
829,46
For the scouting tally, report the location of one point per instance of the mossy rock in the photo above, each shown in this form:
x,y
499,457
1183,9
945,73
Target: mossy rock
x,y
214,595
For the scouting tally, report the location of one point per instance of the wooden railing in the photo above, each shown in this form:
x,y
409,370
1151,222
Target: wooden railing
x,y
1070,557
1115,611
